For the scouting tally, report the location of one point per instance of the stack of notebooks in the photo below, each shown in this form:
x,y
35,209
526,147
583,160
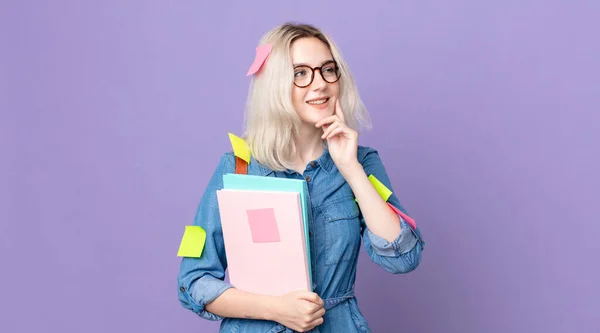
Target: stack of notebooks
x,y
265,233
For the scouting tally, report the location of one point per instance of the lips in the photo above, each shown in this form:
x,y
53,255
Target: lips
x,y
318,101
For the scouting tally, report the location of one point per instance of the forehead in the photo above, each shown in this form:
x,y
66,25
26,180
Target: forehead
x,y
309,51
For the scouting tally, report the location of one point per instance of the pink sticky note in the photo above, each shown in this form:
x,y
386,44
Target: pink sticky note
x,y
406,218
262,52
263,225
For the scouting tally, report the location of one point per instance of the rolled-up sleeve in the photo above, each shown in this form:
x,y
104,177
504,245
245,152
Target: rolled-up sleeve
x,y
403,254
201,280
405,242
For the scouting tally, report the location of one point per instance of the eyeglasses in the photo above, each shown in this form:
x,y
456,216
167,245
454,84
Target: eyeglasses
x,y
304,75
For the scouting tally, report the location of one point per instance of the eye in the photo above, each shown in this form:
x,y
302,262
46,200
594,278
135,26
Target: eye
x,y
329,68
300,72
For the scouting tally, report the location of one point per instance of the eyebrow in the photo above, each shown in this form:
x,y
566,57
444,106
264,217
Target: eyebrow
x,y
323,63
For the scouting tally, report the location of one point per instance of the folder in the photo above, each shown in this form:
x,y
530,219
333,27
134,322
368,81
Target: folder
x,y
264,241
250,182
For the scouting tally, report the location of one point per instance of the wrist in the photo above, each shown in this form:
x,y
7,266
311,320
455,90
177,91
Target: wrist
x,y
350,170
270,304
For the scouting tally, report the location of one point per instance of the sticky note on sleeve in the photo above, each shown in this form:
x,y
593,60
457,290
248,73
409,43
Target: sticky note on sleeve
x,y
406,218
192,242
383,191
240,149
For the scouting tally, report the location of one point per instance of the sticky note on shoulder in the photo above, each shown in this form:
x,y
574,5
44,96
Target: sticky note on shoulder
x,y
192,242
240,149
383,191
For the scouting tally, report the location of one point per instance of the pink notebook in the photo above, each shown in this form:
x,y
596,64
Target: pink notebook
x,y
264,241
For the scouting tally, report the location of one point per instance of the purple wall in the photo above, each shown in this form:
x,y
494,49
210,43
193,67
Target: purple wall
x,y
114,115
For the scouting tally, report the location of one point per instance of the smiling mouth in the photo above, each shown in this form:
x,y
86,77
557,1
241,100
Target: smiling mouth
x,y
318,101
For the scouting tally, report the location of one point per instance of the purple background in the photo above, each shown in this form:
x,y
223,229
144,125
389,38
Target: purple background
x,y
114,115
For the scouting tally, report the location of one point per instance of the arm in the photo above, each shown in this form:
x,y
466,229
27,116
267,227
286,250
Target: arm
x,y
379,218
388,239
201,284
235,303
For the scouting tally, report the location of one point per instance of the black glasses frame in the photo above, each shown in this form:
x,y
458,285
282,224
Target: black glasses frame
x,y
338,74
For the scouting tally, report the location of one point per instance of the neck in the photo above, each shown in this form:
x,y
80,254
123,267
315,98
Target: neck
x,y
309,145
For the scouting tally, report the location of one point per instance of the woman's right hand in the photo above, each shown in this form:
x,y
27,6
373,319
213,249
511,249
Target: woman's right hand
x,y
299,310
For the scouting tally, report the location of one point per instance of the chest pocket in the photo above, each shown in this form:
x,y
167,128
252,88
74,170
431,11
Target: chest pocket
x,y
342,231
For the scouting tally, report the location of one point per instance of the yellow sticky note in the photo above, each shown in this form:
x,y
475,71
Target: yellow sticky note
x,y
192,242
383,191
240,149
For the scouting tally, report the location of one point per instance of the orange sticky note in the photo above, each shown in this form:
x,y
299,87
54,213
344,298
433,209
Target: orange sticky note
x,y
240,149
262,52
192,242
383,191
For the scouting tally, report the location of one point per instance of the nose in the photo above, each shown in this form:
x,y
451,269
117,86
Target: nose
x,y
318,82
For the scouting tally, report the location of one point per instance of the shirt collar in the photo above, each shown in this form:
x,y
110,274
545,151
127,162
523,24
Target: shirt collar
x,y
324,161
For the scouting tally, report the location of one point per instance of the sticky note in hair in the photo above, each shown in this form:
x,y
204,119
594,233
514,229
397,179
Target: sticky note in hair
x,y
192,242
240,149
383,191
262,52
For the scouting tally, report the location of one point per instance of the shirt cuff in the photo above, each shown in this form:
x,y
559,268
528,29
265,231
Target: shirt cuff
x,y
206,290
402,244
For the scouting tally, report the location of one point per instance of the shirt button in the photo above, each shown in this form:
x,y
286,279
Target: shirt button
x,y
307,178
313,164
182,289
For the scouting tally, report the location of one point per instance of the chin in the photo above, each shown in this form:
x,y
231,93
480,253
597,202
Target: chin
x,y
314,116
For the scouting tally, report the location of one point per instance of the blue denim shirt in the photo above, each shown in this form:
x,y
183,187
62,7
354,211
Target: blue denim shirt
x,y
336,229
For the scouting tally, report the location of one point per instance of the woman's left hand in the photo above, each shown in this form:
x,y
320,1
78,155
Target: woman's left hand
x,y
341,139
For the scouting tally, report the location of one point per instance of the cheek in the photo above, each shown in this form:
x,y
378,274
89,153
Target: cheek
x,y
335,90
297,98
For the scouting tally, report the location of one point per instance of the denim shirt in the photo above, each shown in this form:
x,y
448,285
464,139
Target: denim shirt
x,y
336,229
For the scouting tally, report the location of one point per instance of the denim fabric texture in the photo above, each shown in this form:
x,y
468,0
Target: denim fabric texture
x,y
337,230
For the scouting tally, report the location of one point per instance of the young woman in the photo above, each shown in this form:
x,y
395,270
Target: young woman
x,y
303,115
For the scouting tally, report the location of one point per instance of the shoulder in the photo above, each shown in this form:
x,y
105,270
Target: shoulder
x,y
366,154
226,163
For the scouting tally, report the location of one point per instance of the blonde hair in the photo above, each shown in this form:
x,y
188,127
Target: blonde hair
x,y
271,121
